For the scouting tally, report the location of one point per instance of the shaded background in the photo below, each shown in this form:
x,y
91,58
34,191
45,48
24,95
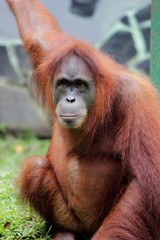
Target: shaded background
x,y
91,29
120,28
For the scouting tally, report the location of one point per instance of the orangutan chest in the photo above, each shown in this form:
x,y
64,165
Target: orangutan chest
x,y
87,189
86,183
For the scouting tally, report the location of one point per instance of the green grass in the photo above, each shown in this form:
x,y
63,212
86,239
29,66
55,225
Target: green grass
x,y
18,221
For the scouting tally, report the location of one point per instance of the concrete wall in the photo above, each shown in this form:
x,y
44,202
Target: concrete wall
x,y
90,29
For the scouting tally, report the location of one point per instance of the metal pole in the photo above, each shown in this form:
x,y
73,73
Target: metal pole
x,y
155,43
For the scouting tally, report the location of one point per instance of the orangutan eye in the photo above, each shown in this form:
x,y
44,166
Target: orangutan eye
x,y
62,84
80,84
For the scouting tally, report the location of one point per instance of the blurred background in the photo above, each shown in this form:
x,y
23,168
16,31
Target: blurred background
x,y
120,28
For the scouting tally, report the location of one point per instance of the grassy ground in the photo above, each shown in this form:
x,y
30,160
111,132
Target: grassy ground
x,y
18,221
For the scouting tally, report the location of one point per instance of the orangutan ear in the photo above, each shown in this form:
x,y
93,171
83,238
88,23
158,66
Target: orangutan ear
x,y
38,28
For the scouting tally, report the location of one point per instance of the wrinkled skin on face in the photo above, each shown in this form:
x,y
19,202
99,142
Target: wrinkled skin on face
x,y
74,91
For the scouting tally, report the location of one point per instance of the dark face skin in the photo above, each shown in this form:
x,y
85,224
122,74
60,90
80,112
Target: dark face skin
x,y
73,91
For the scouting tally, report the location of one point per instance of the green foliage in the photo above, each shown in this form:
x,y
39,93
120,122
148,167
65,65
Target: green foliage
x,y
18,221
3,129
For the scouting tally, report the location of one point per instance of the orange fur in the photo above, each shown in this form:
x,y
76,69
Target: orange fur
x,y
101,180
